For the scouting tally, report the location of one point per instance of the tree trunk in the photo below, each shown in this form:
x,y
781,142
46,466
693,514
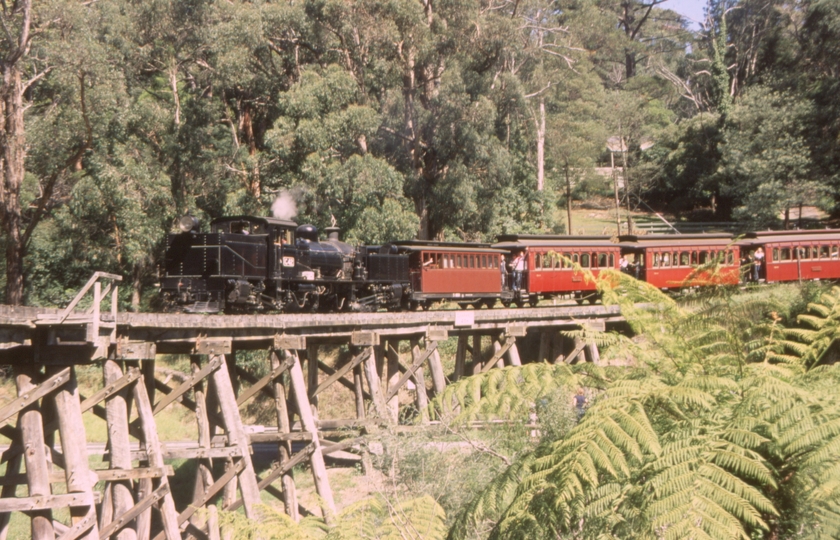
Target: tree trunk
x,y
541,146
136,287
12,155
568,199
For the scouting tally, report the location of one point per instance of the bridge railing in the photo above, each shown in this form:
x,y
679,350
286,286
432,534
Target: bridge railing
x,y
92,316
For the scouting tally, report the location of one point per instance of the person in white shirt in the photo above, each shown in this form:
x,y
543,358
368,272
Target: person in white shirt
x,y
758,261
518,265
623,264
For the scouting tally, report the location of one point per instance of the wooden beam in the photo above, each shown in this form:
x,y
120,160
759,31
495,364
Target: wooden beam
x,y
392,355
460,357
45,502
490,364
217,486
125,518
77,470
319,468
418,361
340,372
579,346
282,468
422,398
262,383
81,526
344,382
236,436
28,398
204,467
476,353
372,376
37,469
191,381
132,374
436,369
119,443
154,456
278,389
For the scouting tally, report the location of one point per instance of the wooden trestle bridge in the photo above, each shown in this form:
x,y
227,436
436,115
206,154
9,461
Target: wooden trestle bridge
x,y
44,473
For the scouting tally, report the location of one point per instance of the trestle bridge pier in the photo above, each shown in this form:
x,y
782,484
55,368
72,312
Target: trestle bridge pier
x,y
47,462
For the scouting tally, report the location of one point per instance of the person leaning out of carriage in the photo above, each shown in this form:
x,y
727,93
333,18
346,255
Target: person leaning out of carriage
x,y
758,262
503,269
518,265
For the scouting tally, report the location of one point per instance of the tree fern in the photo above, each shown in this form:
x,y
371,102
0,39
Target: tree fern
x,y
378,518
718,431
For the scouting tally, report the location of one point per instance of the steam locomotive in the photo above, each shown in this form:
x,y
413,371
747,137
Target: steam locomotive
x,y
248,263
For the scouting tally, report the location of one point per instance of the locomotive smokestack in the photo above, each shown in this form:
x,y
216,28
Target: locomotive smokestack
x,y
332,233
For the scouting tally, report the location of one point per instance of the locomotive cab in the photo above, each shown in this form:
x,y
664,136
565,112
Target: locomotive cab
x,y
231,265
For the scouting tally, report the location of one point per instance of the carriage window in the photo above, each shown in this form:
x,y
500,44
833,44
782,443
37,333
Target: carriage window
x,y
537,261
730,257
657,257
575,258
458,261
703,257
823,252
815,252
451,260
785,255
834,252
666,260
584,260
602,260
684,257
612,260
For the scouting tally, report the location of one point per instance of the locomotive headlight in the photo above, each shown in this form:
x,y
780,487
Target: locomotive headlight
x,y
187,223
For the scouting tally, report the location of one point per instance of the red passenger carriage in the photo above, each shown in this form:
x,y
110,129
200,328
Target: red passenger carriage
x,y
469,274
796,255
671,261
551,262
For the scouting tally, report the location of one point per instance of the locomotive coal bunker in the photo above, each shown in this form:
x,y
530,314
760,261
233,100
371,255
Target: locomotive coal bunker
x,y
248,263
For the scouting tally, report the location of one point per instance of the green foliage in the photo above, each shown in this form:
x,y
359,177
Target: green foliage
x,y
709,435
373,518
380,519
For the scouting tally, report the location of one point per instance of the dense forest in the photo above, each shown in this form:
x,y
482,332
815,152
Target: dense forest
x,y
396,118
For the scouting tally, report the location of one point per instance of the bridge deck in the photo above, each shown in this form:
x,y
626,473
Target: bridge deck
x,y
27,333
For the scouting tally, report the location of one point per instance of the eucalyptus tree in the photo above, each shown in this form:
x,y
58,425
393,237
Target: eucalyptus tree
x,y
766,159
21,70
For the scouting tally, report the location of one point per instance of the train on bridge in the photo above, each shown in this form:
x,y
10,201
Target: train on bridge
x,y
247,263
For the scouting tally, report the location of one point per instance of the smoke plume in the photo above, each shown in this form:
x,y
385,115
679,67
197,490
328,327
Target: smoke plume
x,y
284,206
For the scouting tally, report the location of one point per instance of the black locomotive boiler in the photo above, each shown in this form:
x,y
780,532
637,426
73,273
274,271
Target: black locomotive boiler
x,y
248,263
